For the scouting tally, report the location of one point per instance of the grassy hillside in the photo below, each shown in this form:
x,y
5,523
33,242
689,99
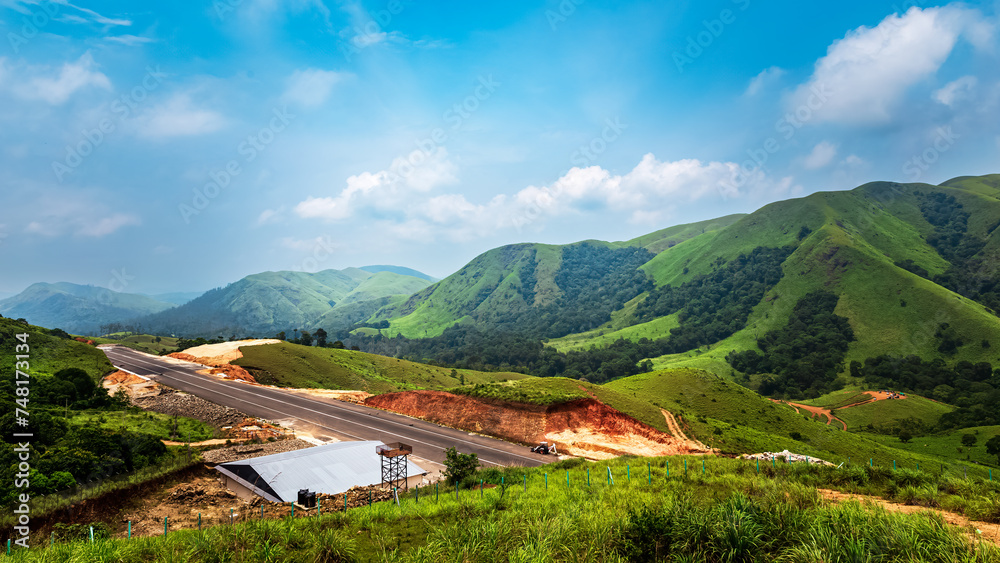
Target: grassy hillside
x,y
574,512
266,303
77,308
50,352
142,342
889,413
293,365
735,419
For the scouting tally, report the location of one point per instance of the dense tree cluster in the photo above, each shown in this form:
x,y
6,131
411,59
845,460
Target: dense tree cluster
x,y
973,388
804,357
969,275
712,307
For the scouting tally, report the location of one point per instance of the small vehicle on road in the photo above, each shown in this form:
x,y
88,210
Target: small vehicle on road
x,y
544,448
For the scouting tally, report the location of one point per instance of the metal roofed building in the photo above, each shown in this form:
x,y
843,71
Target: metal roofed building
x,y
330,469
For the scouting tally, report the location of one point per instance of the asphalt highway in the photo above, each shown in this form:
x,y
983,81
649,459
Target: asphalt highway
x,y
345,421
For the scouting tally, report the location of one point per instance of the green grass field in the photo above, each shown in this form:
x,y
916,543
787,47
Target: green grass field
x,y
293,365
141,342
571,511
146,422
948,446
891,411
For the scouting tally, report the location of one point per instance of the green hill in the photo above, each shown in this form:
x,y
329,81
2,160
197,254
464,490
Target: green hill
x,y
294,365
51,350
80,309
266,303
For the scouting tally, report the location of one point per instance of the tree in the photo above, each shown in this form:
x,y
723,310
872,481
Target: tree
x,y
320,337
993,446
338,345
905,436
280,335
968,440
459,466
306,339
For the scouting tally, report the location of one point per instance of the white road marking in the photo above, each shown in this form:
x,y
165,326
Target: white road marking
x,y
404,426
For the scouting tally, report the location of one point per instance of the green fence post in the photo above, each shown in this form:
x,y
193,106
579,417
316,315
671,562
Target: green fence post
x,y
588,477
668,469
164,525
702,466
292,504
918,467
129,536
611,478
567,477
649,471
628,472
199,517
345,502
92,534
870,463
893,465
52,538
261,510
8,546
773,465
685,467
758,465
991,474
546,481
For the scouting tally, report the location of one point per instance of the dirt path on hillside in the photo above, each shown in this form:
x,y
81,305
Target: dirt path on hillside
x,y
815,412
675,429
990,532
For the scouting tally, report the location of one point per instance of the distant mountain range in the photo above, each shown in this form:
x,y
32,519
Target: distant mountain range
x,y
261,304
80,309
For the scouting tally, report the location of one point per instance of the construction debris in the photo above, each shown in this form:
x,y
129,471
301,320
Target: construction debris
x,y
181,404
786,457
247,451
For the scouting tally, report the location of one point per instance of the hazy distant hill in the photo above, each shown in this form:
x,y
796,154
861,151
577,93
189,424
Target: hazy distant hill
x,y
177,297
398,270
77,308
269,302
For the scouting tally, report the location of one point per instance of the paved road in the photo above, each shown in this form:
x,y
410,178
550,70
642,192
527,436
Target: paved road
x,y
346,421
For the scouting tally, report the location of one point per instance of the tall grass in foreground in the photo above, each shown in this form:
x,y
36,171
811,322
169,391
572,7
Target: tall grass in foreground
x,y
728,514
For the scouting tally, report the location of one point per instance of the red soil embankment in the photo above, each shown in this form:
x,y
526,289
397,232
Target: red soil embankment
x,y
221,366
584,427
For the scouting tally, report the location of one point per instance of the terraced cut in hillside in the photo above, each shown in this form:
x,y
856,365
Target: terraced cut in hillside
x,y
582,427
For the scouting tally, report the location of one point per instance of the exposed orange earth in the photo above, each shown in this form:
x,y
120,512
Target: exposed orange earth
x,y
584,427
819,412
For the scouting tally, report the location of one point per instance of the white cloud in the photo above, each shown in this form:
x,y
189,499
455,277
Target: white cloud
x,y
178,117
106,225
855,161
129,40
955,90
821,155
59,213
417,172
864,76
270,215
760,81
311,87
55,88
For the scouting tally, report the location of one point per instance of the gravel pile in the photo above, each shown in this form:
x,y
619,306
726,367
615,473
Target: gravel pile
x,y
786,457
236,453
182,404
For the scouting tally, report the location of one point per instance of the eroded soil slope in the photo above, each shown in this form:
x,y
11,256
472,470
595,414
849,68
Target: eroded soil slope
x,y
584,427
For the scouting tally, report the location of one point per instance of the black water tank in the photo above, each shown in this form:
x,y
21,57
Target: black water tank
x,y
301,498
311,499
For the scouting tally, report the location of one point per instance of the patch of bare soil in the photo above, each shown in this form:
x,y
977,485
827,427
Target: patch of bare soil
x,y
133,385
986,530
585,427
219,354
675,429
815,412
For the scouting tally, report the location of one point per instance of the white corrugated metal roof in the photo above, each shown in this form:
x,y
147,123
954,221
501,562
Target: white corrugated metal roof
x,y
330,468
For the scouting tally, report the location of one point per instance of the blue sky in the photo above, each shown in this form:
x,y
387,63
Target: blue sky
x,y
183,146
